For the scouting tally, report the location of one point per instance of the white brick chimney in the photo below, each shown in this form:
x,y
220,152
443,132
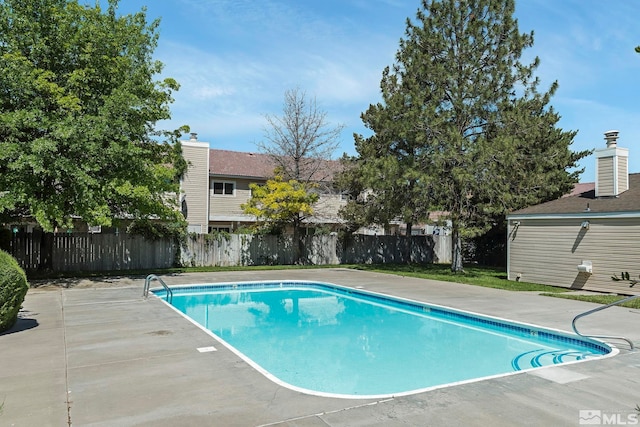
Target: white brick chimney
x,y
612,167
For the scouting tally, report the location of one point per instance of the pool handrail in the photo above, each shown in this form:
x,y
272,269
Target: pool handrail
x,y
147,283
586,313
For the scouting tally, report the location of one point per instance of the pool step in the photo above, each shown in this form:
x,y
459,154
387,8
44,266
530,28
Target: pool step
x,y
544,357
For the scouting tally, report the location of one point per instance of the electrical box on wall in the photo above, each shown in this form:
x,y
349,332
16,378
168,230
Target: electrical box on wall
x,y
585,267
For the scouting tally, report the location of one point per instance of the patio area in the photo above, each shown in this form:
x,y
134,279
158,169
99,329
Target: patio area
x,y
93,352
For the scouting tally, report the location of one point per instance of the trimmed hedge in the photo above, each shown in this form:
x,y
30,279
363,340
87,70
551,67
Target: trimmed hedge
x,y
13,288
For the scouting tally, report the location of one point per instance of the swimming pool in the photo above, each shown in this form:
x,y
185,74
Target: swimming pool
x,y
330,340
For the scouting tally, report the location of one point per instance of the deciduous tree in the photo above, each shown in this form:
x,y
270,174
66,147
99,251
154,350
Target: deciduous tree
x,y
79,104
301,143
301,140
278,204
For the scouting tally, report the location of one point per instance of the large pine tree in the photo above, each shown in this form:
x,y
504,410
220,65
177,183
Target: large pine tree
x,y
462,127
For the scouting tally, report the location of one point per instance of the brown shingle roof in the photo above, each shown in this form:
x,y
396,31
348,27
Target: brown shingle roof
x,y
581,187
240,164
254,165
583,196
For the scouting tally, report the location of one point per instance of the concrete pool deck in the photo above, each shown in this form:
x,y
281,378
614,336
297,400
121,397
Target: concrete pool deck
x,y
93,352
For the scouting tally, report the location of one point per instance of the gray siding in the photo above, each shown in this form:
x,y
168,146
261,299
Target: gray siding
x,y
225,206
623,176
326,209
605,181
548,251
229,208
194,184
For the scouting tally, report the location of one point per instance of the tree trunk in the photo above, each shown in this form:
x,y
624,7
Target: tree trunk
x,y
297,243
456,250
46,251
409,243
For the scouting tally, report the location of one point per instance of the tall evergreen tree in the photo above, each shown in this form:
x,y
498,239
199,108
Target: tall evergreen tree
x,y
462,121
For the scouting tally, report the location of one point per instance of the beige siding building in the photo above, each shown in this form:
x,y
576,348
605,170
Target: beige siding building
x,y
217,184
194,197
583,239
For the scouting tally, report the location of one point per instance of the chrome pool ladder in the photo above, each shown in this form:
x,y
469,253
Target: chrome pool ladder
x,y
586,313
147,283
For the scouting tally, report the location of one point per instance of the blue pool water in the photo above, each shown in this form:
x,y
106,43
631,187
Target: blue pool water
x,y
340,341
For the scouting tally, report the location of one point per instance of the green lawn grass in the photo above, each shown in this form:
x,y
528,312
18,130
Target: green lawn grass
x,y
492,278
474,275
598,299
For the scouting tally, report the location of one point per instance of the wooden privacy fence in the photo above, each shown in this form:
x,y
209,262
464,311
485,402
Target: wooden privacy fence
x,y
91,252
362,249
109,252
245,249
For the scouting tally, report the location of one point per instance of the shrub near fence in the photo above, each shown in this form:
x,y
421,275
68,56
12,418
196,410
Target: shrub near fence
x,y
113,252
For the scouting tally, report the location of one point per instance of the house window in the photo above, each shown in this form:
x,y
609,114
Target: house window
x,y
224,188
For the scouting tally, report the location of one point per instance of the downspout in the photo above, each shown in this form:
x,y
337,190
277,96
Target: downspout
x,y
508,248
208,195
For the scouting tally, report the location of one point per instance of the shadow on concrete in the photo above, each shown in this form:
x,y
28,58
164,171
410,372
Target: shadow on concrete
x,y
22,324
91,281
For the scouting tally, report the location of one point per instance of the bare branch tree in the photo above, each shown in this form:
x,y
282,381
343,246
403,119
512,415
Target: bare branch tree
x,y
301,140
301,143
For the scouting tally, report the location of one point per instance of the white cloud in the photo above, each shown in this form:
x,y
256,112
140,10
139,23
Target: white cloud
x,y
235,59
225,93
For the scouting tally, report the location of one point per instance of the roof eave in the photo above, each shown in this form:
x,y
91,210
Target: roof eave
x,y
626,214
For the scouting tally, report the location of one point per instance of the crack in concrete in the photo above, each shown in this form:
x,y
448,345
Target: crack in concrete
x,y
320,414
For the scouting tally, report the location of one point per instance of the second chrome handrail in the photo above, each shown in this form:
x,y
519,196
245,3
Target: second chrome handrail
x,y
586,313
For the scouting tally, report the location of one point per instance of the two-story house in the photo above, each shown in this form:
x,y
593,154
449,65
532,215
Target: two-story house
x,y
217,184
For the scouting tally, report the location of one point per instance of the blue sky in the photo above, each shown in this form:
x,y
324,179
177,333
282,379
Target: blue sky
x,y
236,58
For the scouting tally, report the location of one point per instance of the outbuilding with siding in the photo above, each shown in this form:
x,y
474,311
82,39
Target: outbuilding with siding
x,y
583,239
